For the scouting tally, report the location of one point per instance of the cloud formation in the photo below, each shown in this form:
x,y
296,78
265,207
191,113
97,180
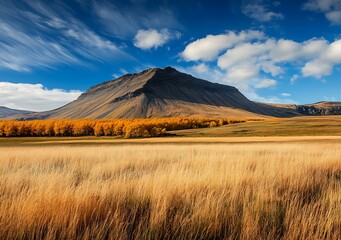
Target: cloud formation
x,y
330,8
260,12
41,36
255,54
265,83
325,61
209,47
286,94
271,56
34,97
250,60
124,18
151,38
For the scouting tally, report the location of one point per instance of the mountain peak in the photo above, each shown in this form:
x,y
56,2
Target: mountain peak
x,y
160,92
169,69
165,69
136,79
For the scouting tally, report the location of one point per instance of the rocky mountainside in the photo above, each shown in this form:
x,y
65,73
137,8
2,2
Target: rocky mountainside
x,y
319,111
162,92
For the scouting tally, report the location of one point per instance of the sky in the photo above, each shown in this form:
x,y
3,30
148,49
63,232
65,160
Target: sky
x,y
272,51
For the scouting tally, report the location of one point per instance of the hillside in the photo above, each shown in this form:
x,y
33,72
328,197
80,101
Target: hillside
x,y
7,112
160,92
315,109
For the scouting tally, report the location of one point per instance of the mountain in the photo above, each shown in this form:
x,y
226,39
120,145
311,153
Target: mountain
x,y
315,109
320,108
162,92
6,112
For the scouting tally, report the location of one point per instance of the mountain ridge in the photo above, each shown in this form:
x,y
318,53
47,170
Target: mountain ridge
x,y
7,112
314,109
162,92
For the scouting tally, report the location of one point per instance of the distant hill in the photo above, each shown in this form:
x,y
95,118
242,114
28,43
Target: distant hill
x,y
161,92
315,109
6,112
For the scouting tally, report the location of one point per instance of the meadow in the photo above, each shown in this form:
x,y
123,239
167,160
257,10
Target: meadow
x,y
254,190
296,126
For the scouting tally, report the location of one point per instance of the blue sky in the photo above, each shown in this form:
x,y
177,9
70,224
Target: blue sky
x,y
275,51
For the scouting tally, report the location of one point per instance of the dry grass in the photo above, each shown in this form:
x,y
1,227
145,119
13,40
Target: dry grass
x,y
296,126
197,191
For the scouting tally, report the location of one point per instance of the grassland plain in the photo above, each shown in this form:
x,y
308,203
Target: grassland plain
x,y
248,190
296,126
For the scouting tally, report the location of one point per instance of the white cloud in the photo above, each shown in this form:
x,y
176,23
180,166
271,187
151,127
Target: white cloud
x,y
321,5
323,65
260,12
333,53
285,94
259,53
90,39
271,56
151,38
27,42
21,52
287,50
256,62
124,19
334,16
120,73
276,3
242,72
294,78
242,53
331,9
266,83
271,68
209,47
316,68
314,47
34,97
284,50
200,68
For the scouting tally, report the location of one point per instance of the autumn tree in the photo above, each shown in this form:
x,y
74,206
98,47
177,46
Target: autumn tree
x,y
106,127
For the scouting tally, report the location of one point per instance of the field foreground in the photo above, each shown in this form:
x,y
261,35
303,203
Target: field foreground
x,y
255,190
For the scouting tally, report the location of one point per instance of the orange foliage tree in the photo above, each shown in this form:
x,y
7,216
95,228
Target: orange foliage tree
x,y
129,128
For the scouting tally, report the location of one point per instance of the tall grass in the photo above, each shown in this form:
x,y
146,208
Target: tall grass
x,y
220,191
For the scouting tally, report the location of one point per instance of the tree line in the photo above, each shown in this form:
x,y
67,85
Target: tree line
x,y
130,128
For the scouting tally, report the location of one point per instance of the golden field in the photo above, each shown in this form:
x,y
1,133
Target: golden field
x,y
252,190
